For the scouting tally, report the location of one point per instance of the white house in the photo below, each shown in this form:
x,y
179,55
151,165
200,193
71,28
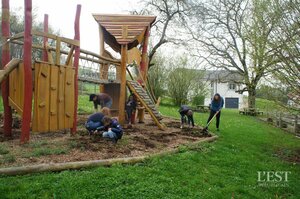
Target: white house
x,y
227,84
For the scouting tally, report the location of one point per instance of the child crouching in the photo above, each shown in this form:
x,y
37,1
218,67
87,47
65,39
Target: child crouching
x,y
112,129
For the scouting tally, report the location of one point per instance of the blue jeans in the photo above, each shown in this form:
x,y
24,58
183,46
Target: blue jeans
x,y
92,126
109,134
108,104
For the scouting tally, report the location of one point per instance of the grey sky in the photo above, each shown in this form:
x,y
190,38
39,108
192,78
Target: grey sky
x,y
62,13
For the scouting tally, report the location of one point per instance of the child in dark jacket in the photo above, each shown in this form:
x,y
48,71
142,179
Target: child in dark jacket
x,y
112,129
130,108
186,111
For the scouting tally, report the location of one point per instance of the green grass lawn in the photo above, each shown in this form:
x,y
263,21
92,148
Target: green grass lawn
x,y
84,105
221,169
269,106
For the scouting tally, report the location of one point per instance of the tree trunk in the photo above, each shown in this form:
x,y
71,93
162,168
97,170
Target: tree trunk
x,y
251,97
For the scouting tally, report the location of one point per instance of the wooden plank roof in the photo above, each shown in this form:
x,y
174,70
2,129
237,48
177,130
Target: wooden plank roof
x,y
125,29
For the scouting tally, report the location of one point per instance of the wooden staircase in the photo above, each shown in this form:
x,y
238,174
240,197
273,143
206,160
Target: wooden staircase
x,y
146,101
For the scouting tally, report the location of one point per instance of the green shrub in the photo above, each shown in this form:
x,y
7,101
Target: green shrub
x,y
198,100
3,150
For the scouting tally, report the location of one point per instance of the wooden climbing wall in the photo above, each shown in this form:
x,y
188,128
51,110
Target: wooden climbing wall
x,y
16,89
53,97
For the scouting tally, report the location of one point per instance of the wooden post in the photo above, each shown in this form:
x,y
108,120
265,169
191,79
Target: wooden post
x,y
5,24
144,61
76,64
102,49
296,126
122,100
277,118
280,120
118,73
26,116
45,39
141,114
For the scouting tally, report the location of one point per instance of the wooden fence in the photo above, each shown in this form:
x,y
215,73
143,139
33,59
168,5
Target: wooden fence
x,y
290,122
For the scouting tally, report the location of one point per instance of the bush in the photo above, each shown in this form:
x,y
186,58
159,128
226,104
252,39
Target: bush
x,y
3,150
157,76
198,100
184,82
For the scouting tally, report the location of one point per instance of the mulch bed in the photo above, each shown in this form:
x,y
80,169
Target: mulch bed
x,y
60,147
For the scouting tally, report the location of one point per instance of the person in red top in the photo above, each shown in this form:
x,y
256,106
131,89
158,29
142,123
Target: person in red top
x,y
102,99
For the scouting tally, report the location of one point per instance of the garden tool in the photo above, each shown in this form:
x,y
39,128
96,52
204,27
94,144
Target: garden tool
x,y
205,129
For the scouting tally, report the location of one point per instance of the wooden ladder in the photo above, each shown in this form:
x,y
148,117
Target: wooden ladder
x,y
146,101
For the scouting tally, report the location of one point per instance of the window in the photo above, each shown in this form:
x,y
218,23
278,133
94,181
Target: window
x,y
232,86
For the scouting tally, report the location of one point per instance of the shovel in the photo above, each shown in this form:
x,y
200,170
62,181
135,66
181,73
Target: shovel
x,y
205,129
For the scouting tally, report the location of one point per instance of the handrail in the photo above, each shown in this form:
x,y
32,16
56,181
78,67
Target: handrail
x,y
100,61
16,36
43,34
55,37
129,73
65,40
114,61
10,66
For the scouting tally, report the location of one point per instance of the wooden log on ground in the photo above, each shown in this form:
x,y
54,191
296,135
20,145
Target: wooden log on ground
x,y
69,165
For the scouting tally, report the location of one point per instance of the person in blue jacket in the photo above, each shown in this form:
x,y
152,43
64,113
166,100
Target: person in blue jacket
x,y
216,105
112,129
94,121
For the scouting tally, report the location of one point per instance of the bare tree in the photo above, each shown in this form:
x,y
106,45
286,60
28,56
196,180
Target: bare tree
x,y
288,36
169,13
234,35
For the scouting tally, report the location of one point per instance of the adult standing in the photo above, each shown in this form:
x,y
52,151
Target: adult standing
x,y
102,99
216,105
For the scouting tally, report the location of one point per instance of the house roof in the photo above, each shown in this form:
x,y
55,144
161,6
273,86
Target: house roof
x,y
123,29
223,76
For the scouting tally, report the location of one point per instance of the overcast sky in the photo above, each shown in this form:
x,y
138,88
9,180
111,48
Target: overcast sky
x,y
62,14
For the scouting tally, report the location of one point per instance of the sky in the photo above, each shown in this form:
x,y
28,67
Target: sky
x,y
62,15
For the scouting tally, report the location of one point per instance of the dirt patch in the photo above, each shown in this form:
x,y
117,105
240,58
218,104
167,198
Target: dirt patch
x,y
290,155
57,147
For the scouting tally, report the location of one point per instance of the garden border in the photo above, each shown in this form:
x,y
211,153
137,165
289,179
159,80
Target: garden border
x,y
55,167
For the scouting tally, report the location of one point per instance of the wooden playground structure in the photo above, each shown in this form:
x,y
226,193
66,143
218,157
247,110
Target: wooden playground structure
x,y
45,92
